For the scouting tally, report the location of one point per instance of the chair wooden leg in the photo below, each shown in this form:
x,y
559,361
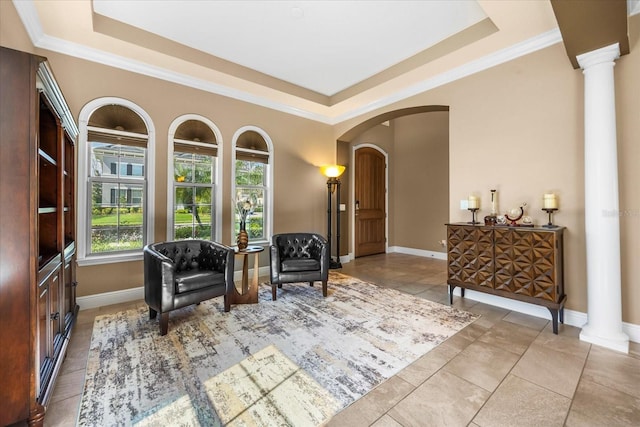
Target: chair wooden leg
x,y
164,323
280,285
273,291
227,303
152,313
311,284
324,288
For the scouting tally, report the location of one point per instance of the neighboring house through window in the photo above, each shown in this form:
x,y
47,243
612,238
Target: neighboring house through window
x,y
116,194
193,178
252,179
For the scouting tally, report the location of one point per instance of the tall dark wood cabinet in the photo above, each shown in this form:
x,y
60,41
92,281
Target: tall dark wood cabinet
x,y
520,263
37,234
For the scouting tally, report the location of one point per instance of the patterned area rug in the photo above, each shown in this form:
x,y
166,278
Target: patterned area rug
x,y
295,361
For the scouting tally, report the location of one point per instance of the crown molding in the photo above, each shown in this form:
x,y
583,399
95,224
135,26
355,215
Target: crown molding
x,y
29,16
526,47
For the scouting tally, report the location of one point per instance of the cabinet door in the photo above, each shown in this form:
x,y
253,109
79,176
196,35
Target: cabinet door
x,y
470,255
50,336
525,263
69,295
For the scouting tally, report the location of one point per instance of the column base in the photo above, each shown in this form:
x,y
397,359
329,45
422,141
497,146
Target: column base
x,y
618,341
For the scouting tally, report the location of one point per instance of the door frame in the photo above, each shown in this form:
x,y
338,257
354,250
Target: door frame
x,y
352,197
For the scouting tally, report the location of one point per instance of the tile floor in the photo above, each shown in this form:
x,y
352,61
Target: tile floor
x,y
505,369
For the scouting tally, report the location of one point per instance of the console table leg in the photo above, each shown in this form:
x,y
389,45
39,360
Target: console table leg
x,y
554,319
451,289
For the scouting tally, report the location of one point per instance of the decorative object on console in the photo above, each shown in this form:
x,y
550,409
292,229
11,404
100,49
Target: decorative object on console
x,y
494,202
550,205
473,205
333,172
492,219
515,214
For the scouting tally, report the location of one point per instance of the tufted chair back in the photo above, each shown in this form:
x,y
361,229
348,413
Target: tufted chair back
x,y
193,255
299,245
298,257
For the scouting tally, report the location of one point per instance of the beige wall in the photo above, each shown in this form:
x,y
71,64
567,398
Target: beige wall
x,y
627,70
417,146
517,127
420,194
380,136
300,146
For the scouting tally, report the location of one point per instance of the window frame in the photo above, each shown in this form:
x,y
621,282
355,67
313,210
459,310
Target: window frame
x,y
268,189
84,188
217,185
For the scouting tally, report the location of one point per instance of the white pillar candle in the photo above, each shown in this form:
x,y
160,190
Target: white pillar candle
x,y
549,201
473,202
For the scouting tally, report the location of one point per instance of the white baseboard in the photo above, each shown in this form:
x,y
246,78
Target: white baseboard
x,y
109,298
133,294
417,252
571,317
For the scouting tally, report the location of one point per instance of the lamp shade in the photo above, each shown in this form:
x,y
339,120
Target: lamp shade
x,y
332,171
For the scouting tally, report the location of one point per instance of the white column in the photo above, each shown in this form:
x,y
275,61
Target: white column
x,y
602,219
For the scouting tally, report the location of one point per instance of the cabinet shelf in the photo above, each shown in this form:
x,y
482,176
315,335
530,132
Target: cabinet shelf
x,y
45,260
47,157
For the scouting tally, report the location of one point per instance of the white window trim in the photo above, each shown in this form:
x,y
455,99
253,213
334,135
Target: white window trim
x,y
218,184
268,225
83,179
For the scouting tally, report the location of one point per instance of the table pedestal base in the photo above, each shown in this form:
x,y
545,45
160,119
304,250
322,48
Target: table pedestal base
x,y
249,294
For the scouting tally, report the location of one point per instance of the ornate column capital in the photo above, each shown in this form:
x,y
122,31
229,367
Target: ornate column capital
x,y
604,54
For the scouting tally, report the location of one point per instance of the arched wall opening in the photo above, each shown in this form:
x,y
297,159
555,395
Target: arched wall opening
x,y
416,140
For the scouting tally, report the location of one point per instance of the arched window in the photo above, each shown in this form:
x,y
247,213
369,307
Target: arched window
x,y
252,179
116,155
194,176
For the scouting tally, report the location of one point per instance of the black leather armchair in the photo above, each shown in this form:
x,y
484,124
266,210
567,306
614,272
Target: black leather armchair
x,y
181,273
298,257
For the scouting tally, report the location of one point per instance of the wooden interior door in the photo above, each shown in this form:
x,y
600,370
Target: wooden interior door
x,y
370,203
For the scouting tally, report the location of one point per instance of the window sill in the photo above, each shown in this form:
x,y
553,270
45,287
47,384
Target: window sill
x,y
110,259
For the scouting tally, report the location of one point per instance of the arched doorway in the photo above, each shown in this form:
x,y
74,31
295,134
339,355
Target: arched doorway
x,y
410,166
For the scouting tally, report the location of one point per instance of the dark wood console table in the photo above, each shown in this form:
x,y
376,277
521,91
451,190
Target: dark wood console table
x,y
520,263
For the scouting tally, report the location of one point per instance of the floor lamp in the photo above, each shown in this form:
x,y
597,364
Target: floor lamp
x,y
333,173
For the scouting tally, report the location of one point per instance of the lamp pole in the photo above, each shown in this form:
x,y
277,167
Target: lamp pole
x,y
332,172
333,184
337,263
329,191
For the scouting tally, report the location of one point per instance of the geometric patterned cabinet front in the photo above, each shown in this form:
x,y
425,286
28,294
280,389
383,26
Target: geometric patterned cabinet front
x,y
521,263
